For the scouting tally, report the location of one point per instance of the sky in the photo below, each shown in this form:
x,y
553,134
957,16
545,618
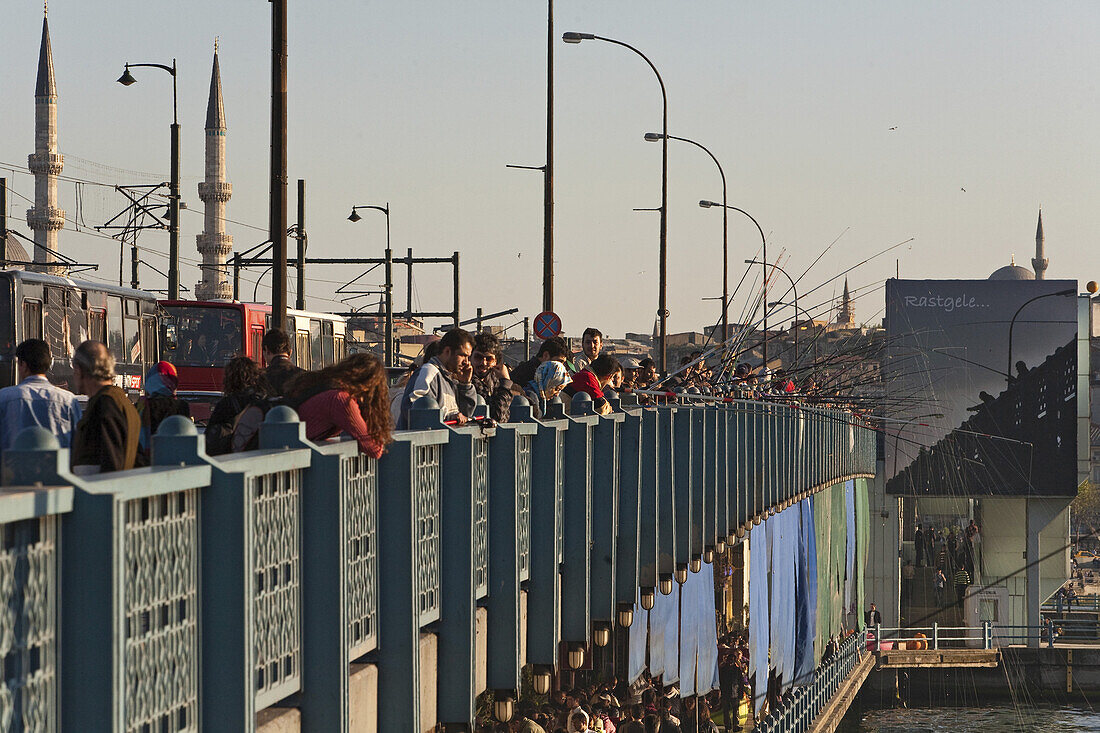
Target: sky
x,y
942,125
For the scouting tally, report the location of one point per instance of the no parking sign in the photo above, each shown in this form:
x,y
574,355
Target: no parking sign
x,y
547,325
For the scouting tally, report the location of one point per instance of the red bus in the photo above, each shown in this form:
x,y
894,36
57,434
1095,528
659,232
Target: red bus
x,y
199,337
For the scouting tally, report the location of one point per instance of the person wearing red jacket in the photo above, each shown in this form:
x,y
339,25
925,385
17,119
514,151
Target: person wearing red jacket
x,y
593,379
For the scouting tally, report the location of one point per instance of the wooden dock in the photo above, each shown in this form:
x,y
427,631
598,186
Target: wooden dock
x,y
937,658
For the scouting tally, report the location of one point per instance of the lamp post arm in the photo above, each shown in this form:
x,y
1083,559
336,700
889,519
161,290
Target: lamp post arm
x,y
1012,324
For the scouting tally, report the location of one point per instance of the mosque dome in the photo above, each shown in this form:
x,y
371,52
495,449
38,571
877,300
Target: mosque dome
x,y
1012,272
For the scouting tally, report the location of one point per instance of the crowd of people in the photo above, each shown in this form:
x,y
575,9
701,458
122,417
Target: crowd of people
x,y
647,706
952,554
112,433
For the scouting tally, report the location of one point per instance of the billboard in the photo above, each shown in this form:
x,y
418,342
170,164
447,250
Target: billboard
x,y
981,393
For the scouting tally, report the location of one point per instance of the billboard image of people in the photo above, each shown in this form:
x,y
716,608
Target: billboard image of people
x,y
982,377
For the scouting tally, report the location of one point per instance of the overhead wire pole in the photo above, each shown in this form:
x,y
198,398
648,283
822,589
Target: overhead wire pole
x,y
300,291
548,171
278,216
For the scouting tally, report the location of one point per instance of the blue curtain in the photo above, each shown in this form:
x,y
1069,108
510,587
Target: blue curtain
x,y
783,532
758,612
805,595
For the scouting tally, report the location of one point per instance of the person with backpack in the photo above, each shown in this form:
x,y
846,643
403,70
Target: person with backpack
x,y
349,397
234,424
158,402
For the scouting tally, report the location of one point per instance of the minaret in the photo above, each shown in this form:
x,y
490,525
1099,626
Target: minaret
x,y
1039,262
846,314
45,218
214,244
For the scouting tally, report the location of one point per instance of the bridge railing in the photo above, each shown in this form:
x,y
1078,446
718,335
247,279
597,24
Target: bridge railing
x,y
201,590
808,701
918,638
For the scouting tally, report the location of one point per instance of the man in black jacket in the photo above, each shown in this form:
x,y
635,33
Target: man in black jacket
x,y
552,348
280,369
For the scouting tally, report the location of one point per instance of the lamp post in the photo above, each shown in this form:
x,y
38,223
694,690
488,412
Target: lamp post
x,y
1012,324
654,137
797,309
174,182
662,310
764,243
794,289
903,426
354,217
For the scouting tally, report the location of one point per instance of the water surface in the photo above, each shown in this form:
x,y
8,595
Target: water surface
x,y
991,719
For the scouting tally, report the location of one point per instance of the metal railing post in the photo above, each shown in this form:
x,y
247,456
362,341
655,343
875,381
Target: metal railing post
x,y
935,635
576,623
605,516
509,500
544,586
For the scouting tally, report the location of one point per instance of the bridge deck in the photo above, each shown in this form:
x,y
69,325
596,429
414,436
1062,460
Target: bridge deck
x,y
933,658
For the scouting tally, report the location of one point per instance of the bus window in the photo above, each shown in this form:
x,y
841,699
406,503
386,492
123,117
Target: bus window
x,y
301,349
78,321
204,336
315,344
97,326
32,319
149,340
56,325
256,348
115,342
327,347
132,336
341,351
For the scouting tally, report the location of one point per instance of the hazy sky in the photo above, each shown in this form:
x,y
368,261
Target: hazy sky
x,y
421,104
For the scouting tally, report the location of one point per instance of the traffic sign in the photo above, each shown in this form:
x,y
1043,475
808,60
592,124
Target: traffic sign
x,y
547,325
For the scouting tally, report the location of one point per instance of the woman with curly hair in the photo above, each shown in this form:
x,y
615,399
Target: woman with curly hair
x,y
349,397
235,422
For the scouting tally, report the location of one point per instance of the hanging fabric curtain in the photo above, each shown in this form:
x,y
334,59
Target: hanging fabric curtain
x,y
639,637
758,613
805,595
850,545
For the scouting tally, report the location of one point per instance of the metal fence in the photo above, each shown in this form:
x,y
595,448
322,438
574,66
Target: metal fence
x,y
799,712
198,591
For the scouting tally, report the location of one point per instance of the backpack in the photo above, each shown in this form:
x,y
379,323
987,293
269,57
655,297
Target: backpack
x,y
245,434
240,433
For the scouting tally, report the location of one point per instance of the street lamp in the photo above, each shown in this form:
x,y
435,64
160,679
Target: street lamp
x,y
174,182
809,317
764,242
354,217
765,263
656,136
662,309
1012,324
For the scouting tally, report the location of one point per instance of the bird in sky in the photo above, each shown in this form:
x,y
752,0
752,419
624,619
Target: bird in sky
x,y
894,127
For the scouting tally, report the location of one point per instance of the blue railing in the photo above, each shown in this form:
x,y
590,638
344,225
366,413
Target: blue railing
x,y
196,592
807,701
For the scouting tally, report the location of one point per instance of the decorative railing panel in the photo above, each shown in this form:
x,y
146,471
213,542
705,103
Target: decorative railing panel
x,y
523,497
160,562
426,484
28,625
359,474
481,516
276,596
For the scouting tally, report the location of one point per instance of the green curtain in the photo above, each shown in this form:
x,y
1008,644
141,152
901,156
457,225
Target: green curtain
x,y
863,537
830,526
